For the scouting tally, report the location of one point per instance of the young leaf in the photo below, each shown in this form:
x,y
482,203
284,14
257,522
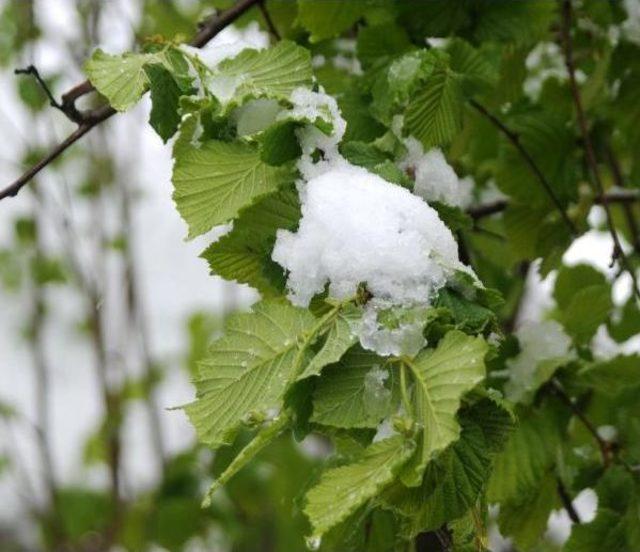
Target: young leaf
x,y
249,369
341,491
434,114
272,73
441,376
338,340
120,79
212,183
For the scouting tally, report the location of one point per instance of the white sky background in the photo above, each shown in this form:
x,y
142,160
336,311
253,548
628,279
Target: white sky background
x,y
175,282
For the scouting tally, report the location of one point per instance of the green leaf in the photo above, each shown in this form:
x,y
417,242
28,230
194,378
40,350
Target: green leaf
x,y
472,65
341,491
212,183
528,455
381,43
249,369
121,79
525,521
434,114
613,376
441,376
629,323
607,531
329,18
279,144
165,101
589,307
244,254
353,392
454,480
572,279
338,340
272,73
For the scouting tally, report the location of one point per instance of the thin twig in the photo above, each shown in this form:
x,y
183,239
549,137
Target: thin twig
x,y
567,503
514,138
89,119
267,19
604,446
588,145
624,197
616,171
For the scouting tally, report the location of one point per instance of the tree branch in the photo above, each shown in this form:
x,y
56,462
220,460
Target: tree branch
x,y
603,445
514,138
588,145
624,197
87,120
267,19
567,503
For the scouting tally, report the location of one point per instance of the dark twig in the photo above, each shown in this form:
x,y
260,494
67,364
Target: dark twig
x,y
618,252
567,503
87,120
514,138
267,19
604,446
624,197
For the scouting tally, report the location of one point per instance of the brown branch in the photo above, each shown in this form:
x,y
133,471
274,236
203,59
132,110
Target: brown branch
x,y
87,120
567,503
514,138
592,162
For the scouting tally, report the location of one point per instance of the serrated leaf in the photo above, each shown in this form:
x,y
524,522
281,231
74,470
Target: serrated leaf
x,y
350,395
279,144
165,101
434,114
341,491
249,369
454,480
244,254
271,73
212,183
441,376
338,340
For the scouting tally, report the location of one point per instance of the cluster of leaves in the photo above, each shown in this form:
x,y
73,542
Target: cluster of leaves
x,y
456,444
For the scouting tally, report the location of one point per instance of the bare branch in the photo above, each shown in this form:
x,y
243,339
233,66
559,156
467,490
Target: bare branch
x,y
87,120
267,19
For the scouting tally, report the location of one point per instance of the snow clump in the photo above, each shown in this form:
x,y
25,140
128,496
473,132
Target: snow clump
x,y
435,179
357,227
544,346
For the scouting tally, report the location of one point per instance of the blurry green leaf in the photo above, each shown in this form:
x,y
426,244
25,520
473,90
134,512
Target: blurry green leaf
x,y
572,279
588,309
329,18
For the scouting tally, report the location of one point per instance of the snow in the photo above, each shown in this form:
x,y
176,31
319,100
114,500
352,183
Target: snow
x,y
435,179
349,64
405,339
356,227
539,341
631,25
546,61
375,392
